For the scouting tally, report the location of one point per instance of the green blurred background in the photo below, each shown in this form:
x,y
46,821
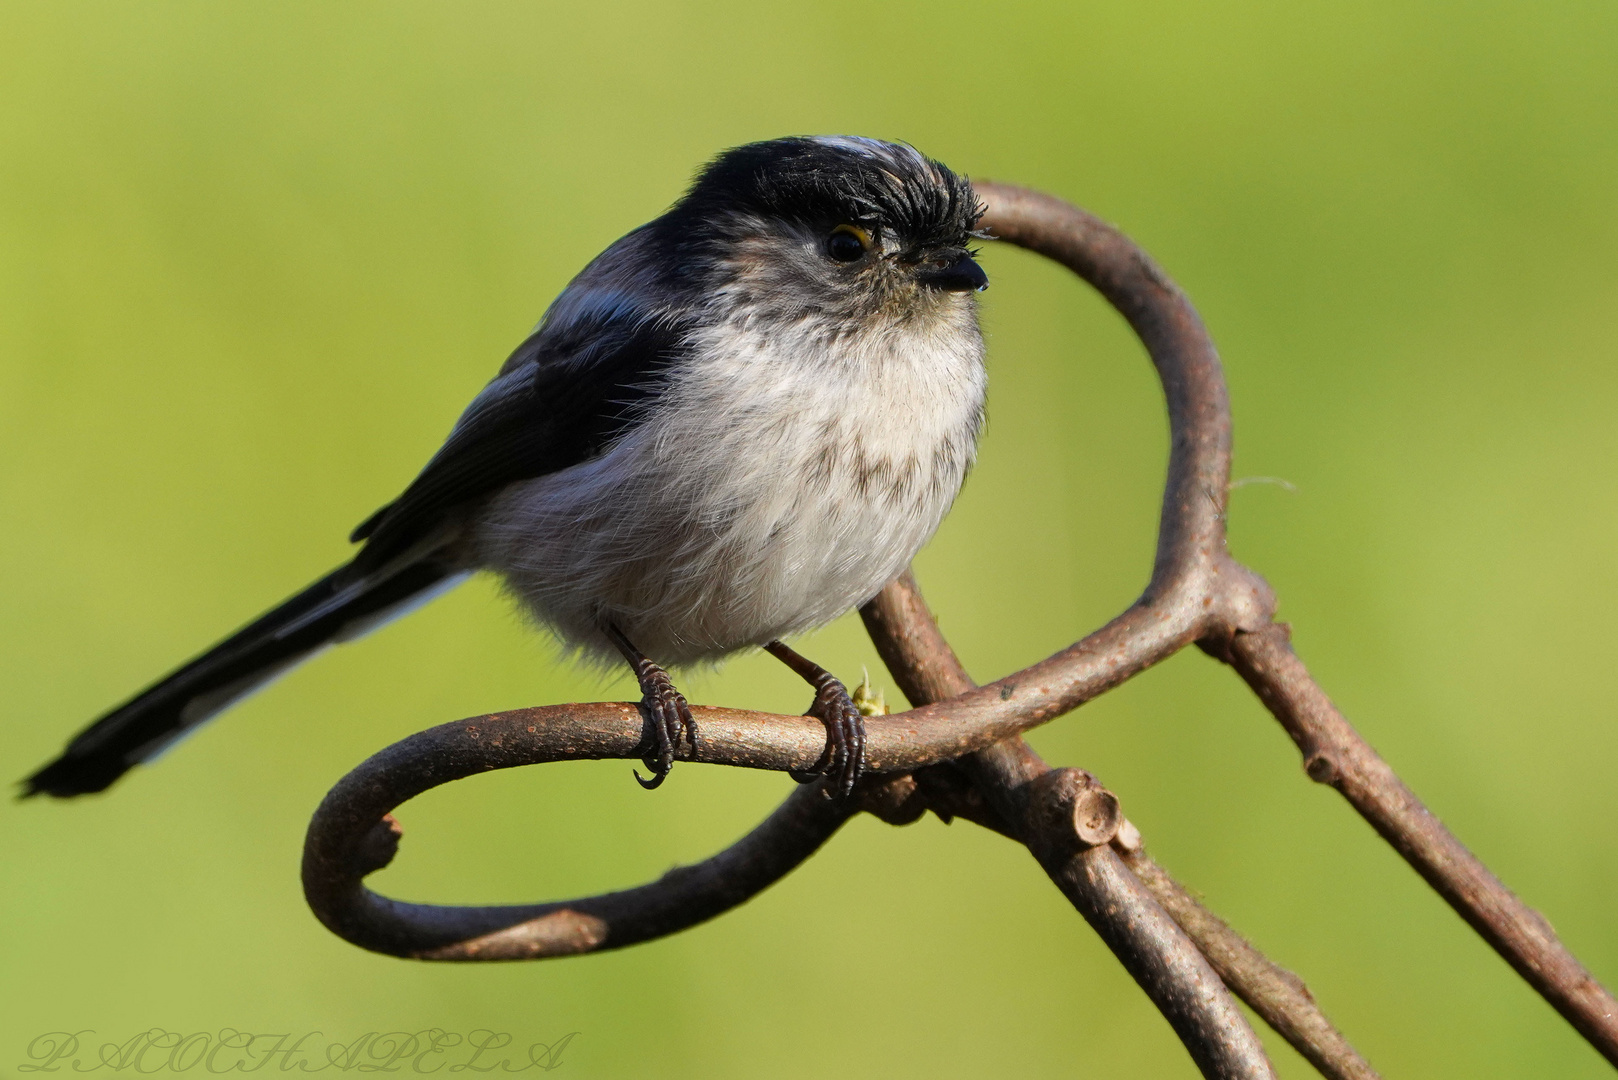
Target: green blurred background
x,y
254,259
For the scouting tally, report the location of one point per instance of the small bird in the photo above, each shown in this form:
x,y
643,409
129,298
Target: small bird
x,y
738,422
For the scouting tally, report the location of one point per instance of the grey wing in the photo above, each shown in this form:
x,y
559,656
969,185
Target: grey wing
x,y
562,403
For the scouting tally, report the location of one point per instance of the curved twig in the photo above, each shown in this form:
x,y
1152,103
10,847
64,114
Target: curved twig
x,y
1197,593
353,834
1241,632
1177,608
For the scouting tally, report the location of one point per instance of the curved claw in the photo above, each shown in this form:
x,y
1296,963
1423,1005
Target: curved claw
x,y
843,760
823,763
670,717
663,707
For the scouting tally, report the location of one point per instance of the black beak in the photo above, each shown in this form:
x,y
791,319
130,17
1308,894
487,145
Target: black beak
x,y
962,275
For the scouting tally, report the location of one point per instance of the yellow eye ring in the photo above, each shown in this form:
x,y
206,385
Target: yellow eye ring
x,y
847,243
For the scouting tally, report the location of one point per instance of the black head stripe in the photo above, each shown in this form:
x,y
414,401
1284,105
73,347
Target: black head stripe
x,y
841,178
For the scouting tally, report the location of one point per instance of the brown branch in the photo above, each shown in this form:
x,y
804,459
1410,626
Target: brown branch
x,y
353,834
1039,807
925,667
1152,947
1191,555
1275,993
1335,754
1196,593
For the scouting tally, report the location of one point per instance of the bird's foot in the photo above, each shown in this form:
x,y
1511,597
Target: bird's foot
x,y
843,759
670,717
665,708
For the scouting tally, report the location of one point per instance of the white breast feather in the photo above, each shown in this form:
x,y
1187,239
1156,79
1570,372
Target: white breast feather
x,y
779,483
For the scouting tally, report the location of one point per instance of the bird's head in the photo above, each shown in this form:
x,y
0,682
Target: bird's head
x,y
837,230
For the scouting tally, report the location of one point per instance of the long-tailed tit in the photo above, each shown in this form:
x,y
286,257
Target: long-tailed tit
x,y
738,422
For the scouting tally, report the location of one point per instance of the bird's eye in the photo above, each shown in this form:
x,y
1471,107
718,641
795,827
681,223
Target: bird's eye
x,y
848,243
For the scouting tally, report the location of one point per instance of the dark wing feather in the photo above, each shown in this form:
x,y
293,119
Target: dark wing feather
x,y
562,403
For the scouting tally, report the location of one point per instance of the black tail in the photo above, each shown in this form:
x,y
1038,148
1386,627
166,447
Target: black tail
x,y
339,607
